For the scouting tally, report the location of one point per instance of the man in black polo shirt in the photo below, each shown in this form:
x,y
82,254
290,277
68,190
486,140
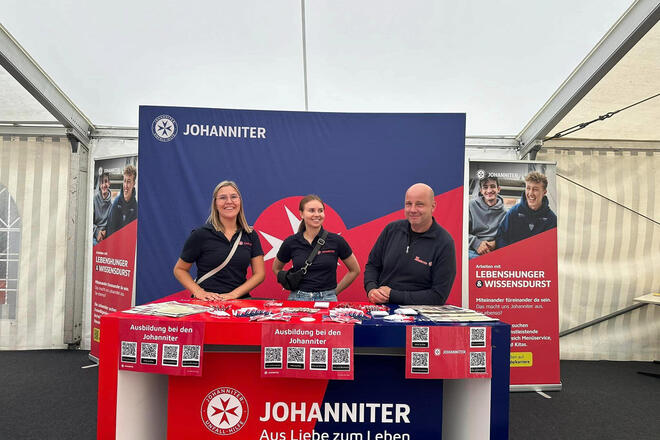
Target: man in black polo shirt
x,y
413,260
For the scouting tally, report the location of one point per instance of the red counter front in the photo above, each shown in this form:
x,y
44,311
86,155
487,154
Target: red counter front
x,y
231,398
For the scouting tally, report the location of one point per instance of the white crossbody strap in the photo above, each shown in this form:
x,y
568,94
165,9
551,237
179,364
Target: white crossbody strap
x,y
224,263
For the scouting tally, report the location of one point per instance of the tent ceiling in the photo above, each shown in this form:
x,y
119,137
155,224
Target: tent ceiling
x,y
488,59
635,77
16,104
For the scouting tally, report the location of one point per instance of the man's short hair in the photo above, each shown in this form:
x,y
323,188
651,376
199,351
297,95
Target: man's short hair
x,y
537,177
486,179
130,170
105,175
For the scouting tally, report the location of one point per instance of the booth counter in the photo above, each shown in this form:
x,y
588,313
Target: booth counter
x,y
231,398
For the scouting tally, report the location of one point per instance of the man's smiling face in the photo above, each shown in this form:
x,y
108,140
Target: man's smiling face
x,y
534,193
489,190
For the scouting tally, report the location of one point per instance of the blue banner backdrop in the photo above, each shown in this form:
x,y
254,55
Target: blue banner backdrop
x,y
360,164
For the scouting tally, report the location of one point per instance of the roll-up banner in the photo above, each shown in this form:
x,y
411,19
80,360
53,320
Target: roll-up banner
x,y
114,236
359,164
512,250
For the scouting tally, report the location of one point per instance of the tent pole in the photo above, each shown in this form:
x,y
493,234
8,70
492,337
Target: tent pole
x,y
601,319
304,52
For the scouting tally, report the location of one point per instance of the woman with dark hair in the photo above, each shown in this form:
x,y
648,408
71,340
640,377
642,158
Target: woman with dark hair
x,y
225,233
320,281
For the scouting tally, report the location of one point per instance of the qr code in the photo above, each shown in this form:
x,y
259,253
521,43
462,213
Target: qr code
x,y
191,356
477,336
341,359
272,357
171,355
129,352
477,362
295,358
419,362
148,353
420,337
318,358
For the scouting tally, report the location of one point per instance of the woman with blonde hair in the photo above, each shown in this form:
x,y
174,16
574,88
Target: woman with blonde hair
x,y
222,249
319,282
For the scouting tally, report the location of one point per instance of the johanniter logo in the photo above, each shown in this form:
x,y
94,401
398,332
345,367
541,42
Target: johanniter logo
x,y
481,174
224,411
164,128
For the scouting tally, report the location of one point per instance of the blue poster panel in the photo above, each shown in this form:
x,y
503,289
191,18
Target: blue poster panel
x,y
359,164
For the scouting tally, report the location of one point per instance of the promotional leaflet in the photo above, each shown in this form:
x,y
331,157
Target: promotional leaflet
x,y
161,346
309,350
513,261
443,352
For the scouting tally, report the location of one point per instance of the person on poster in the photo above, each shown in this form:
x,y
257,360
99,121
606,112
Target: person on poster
x,y
320,281
413,261
209,246
124,208
486,214
102,205
531,216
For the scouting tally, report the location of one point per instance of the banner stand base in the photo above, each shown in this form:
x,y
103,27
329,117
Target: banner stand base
x,y
534,388
93,358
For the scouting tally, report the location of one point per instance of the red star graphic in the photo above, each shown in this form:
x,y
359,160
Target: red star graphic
x,y
224,410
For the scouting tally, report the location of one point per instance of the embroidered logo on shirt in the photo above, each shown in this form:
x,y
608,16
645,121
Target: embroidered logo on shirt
x,y
419,260
329,251
245,243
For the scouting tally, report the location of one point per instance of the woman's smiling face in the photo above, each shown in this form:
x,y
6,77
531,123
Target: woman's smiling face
x,y
228,203
313,214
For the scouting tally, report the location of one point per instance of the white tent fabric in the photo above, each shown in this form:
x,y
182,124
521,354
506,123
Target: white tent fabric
x,y
609,253
635,77
609,250
496,61
16,104
36,173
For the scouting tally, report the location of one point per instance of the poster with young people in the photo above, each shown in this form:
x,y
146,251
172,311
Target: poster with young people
x,y
512,251
114,235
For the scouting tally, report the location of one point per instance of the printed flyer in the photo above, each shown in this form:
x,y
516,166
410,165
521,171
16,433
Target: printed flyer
x,y
513,261
164,346
448,352
307,350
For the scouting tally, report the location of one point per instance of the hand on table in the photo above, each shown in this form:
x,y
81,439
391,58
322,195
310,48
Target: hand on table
x,y
209,296
380,295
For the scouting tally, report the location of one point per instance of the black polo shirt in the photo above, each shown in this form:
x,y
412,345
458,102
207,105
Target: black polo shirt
x,y
322,274
208,248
